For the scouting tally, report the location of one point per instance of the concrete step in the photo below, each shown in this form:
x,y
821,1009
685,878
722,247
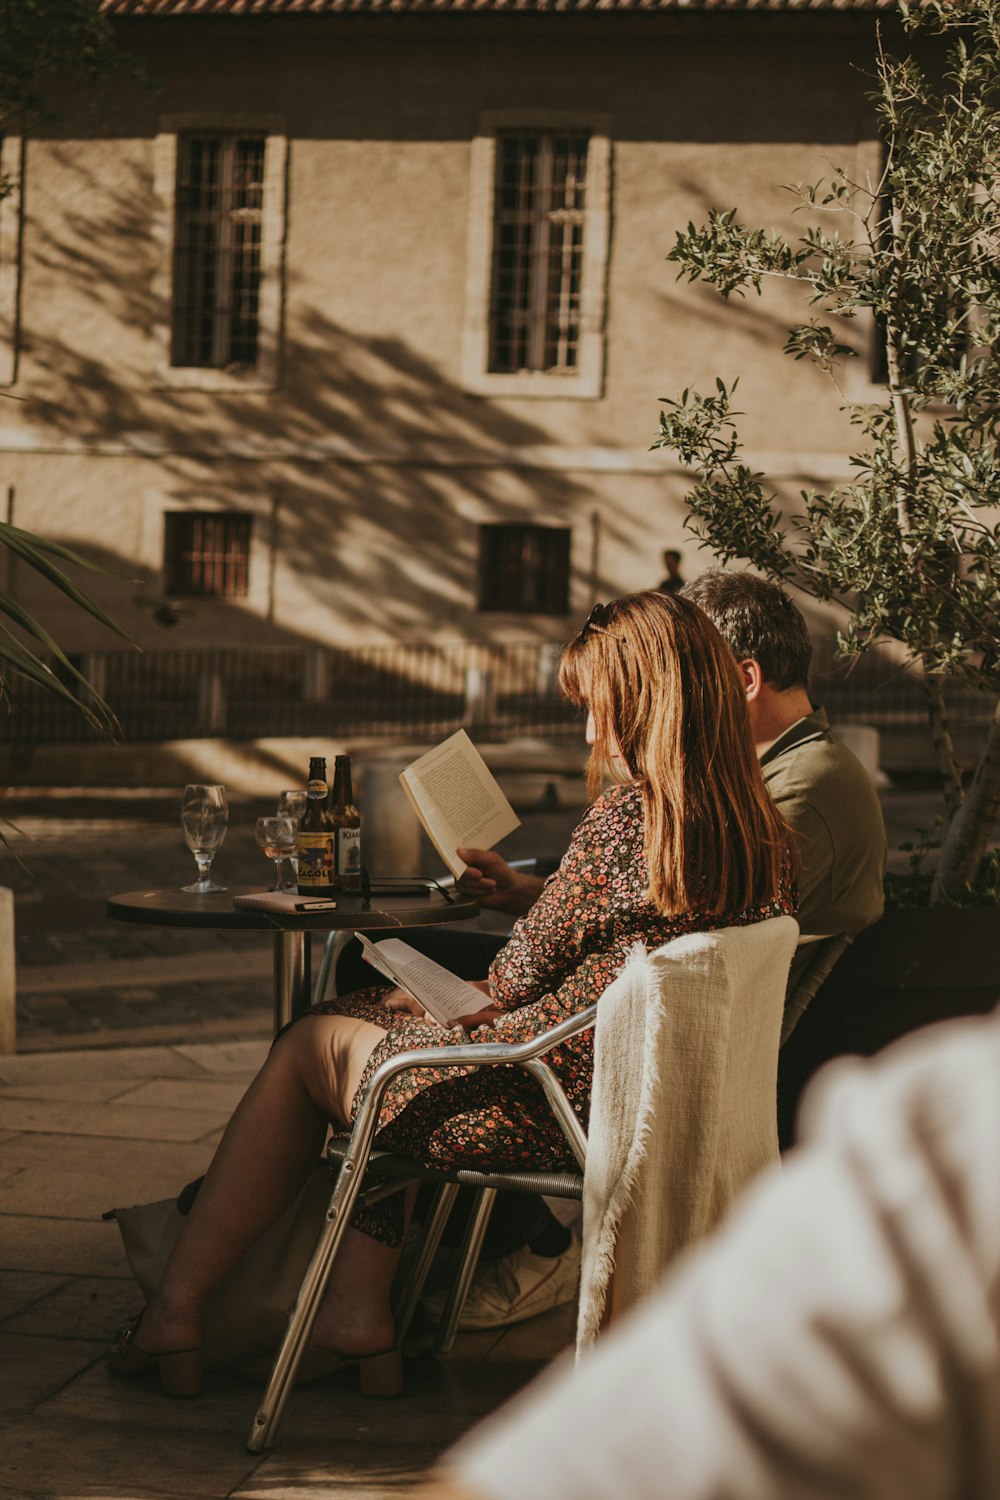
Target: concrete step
x,y
127,973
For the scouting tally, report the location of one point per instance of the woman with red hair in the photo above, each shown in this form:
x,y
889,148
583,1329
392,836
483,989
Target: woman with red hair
x,y
685,839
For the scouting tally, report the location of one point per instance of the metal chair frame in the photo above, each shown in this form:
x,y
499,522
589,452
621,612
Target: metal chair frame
x,y
356,1154
384,1168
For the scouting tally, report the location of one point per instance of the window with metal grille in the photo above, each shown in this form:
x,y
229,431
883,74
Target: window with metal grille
x,y
217,249
206,554
538,215
524,569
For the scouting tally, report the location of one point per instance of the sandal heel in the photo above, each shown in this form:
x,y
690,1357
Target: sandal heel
x,y
180,1374
179,1371
381,1375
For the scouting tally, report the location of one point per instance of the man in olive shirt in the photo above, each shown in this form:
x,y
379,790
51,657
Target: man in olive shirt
x,y
822,790
827,798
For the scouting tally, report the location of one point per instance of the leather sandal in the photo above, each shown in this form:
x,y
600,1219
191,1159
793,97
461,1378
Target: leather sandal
x,y
179,1370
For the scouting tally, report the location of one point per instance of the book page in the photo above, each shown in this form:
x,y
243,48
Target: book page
x,y
440,992
457,799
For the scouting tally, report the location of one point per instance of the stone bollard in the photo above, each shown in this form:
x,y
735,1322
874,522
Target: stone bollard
x,y
211,702
8,975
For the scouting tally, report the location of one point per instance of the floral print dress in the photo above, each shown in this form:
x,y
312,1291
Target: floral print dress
x,y
559,959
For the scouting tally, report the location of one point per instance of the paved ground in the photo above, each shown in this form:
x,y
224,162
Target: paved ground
x,y
86,981
83,1131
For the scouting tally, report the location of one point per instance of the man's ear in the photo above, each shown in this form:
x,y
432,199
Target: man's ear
x,y
753,677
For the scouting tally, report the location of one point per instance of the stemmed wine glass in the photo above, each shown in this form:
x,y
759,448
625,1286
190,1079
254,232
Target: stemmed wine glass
x,y
276,836
292,804
204,818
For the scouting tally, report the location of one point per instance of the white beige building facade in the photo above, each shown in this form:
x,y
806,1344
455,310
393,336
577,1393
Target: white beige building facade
x,y
349,326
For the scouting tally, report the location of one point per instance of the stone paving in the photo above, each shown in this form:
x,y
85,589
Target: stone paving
x,y
86,981
83,1131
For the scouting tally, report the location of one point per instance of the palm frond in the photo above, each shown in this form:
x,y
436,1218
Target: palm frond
x,y
18,661
31,549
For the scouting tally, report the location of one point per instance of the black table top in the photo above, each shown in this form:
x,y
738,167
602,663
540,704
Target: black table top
x,y
178,909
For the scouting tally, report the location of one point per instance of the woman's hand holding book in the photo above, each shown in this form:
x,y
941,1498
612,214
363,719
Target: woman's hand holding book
x,y
489,879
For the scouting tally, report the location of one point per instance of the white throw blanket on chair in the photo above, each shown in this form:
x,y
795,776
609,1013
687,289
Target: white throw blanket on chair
x,y
683,1109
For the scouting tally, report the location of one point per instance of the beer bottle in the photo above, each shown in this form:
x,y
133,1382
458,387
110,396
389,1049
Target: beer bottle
x,y
316,834
347,822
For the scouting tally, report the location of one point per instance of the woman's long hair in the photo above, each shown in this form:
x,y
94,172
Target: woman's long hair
x,y
667,698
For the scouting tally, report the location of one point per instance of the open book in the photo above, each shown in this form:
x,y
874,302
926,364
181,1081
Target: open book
x,y
446,997
457,799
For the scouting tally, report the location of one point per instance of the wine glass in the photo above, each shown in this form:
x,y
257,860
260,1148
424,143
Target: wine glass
x,y
204,818
292,804
276,836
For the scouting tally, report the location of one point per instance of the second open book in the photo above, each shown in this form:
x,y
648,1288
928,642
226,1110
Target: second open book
x,y
442,994
457,799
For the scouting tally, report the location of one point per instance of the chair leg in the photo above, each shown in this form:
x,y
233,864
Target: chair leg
x,y
475,1233
413,1285
338,1214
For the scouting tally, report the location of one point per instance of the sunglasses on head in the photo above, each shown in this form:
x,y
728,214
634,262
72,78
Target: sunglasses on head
x,y
598,619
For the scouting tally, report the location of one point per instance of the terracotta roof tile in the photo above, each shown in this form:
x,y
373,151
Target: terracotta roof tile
x,y
375,7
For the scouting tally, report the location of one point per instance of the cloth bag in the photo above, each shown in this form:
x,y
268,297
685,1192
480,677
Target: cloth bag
x,y
248,1315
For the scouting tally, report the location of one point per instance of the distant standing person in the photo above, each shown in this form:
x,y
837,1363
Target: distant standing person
x,y
671,582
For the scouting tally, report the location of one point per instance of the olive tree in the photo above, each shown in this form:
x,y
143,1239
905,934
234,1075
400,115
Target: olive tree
x,y
911,545
43,42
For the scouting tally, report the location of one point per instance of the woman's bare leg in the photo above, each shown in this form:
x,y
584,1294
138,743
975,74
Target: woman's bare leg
x,y
355,1316
269,1147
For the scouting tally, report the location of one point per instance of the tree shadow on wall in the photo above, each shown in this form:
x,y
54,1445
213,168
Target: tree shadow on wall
x,y
371,465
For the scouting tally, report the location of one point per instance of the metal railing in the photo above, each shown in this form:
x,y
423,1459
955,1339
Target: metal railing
x,y
265,692
879,690
419,692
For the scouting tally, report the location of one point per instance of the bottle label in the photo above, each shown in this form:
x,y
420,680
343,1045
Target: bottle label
x,y
349,850
315,851
348,872
316,788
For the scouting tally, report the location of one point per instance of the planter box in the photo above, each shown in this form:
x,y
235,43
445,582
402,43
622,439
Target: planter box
x,y
911,969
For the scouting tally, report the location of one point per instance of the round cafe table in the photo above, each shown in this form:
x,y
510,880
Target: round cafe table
x,y
292,981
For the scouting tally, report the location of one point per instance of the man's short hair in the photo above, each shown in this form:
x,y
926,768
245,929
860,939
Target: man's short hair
x,y
759,621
